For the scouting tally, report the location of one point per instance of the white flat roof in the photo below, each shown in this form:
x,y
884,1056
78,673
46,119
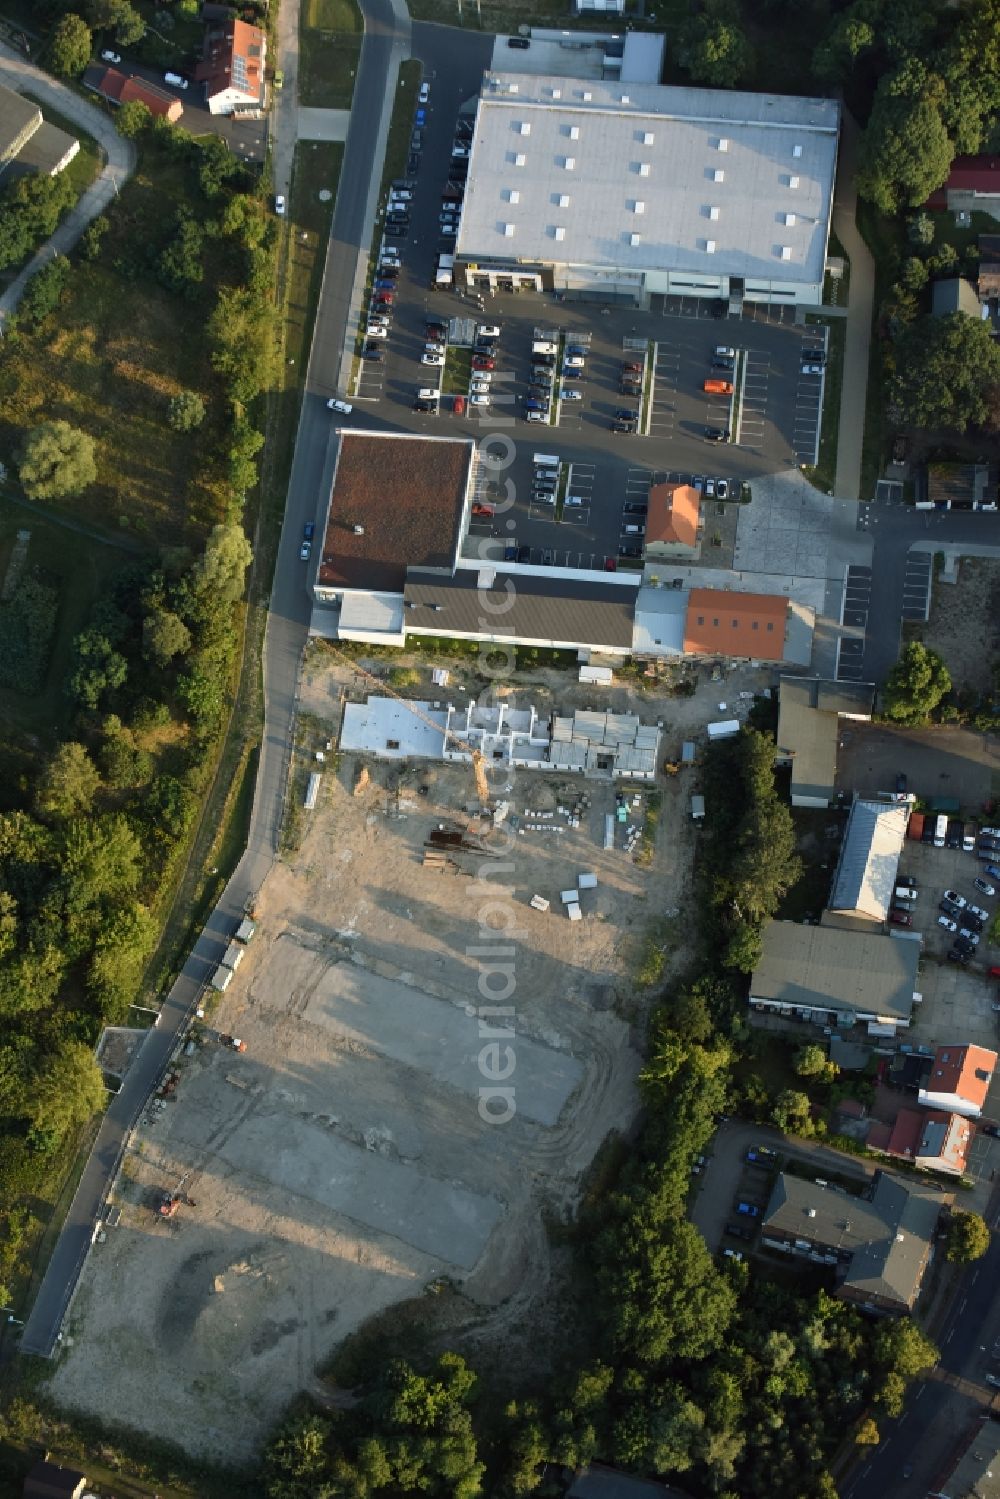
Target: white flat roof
x,y
643,168
386,727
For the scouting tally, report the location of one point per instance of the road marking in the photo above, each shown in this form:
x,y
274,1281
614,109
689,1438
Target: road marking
x,y
963,1304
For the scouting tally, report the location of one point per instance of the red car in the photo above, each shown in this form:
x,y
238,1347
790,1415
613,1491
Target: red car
x,y
484,510
610,565
459,406
383,298
900,918
483,362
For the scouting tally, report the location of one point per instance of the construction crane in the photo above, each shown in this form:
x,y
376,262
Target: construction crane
x,y
476,755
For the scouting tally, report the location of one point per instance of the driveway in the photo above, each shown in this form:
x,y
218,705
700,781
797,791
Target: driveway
x,y
120,157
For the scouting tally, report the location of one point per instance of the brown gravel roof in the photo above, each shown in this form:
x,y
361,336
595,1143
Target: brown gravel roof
x,y
408,493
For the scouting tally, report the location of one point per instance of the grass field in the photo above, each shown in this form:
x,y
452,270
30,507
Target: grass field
x,y
330,37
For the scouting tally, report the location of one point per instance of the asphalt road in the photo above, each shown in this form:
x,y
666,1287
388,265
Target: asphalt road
x,y
386,40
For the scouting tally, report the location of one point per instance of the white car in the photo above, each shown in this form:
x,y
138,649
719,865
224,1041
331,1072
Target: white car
x,y
376,330
175,80
433,348
428,394
479,388
483,377
569,395
488,330
722,352
721,489
279,205
573,499
969,935
400,195
436,360
459,153
983,886
111,57
479,400
391,262
978,912
949,926
574,362
344,407
424,94
956,899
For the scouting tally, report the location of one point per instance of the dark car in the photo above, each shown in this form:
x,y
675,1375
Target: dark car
x,y
954,956
720,307
632,552
627,428
372,352
739,1231
927,836
622,414
901,784
572,374
723,362
520,42
384,284
716,434
577,350
524,554
953,837
900,918
761,1155
631,368
813,356
543,361
510,553
424,405
436,331
412,163
993,1130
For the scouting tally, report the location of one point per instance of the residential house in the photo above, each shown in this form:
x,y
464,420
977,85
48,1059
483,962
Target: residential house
x,y
810,711
674,522
954,295
972,186
49,1480
835,977
878,1245
123,88
956,486
865,876
959,1080
931,1139
232,67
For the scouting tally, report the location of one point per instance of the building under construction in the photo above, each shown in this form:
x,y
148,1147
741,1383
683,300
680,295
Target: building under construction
x,y
591,743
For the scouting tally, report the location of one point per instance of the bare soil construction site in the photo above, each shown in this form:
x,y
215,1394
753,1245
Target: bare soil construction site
x,y
389,1126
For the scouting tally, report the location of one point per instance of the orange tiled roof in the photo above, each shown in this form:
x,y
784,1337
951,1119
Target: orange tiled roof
x,y
965,1071
673,514
234,58
720,623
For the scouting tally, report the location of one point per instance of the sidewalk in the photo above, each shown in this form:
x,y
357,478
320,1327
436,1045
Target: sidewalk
x,y
854,390
120,157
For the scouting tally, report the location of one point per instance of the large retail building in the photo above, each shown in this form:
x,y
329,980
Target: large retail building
x,y
629,191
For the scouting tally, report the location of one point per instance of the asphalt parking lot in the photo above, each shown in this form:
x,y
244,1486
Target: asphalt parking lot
x,y
772,413
938,761
936,870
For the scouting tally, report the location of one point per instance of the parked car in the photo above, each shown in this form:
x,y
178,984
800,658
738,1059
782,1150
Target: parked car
x,y
435,360
760,1154
488,330
434,348
983,886
520,42
569,395
953,837
954,956
993,1130
483,362
968,935
376,330
111,57
279,205
372,353
574,361
308,532
627,427
716,434
900,918
721,489
344,407
484,512
947,923
748,1209
175,80
739,1231
956,899
425,93
479,400
977,912
811,369
813,356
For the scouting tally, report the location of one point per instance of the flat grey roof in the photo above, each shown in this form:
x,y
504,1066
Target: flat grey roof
x,y
518,607
661,148
830,968
47,151
869,858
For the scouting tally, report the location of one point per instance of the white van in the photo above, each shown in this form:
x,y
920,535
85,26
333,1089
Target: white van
x,y
175,80
546,460
940,831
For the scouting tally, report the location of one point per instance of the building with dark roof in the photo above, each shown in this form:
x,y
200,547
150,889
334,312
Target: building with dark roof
x,y
878,1245
600,1482
126,88
48,1480
27,142
809,714
397,501
232,66
974,1471
492,605
835,977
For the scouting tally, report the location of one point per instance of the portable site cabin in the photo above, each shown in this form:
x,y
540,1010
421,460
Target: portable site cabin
x,y
245,930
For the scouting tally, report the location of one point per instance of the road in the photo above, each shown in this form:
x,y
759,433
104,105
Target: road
x,y
386,41
943,1409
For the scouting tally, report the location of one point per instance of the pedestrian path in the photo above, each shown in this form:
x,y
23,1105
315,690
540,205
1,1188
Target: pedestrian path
x,y
857,342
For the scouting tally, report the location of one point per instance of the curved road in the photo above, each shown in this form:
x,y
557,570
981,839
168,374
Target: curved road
x,y
386,42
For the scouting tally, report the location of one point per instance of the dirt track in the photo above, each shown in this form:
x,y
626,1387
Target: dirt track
x,y
342,1163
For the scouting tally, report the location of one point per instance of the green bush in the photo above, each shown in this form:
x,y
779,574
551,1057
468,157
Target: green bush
x,y
27,625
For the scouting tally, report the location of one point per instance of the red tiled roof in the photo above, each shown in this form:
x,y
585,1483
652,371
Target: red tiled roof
x,y
673,514
965,1071
408,493
721,623
233,58
969,174
931,1135
124,88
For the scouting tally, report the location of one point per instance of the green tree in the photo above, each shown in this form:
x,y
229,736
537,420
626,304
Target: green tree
x,y
57,460
947,373
811,1061
713,47
221,571
180,266
849,38
905,151
920,230
123,763
968,1238
30,208
186,411
115,972
867,1434
164,636
44,291
916,685
119,15
93,236
133,119
98,668
70,46
67,783
791,1112
67,1091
